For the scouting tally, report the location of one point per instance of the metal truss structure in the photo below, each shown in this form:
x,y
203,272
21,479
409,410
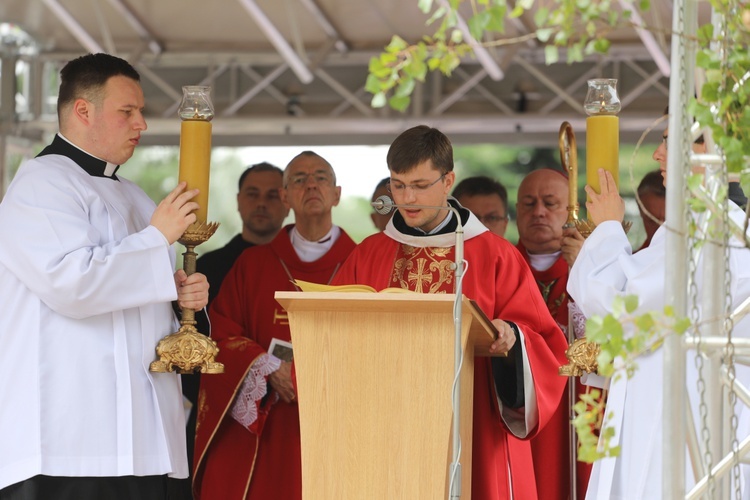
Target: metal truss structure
x,y
292,72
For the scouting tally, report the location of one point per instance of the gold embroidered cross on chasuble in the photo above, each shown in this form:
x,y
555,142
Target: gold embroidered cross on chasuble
x,y
423,270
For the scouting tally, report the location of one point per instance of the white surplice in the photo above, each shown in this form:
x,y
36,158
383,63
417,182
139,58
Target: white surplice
x,y
606,268
86,286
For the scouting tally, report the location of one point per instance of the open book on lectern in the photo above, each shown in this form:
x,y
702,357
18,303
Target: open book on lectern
x,y
306,286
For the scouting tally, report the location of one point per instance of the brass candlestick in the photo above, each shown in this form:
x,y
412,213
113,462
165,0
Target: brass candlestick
x,y
187,350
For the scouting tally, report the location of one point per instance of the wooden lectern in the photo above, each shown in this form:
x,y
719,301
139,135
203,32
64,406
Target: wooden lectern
x,y
374,376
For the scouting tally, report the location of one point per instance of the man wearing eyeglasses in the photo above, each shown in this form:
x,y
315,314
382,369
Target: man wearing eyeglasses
x,y
248,442
549,250
487,199
415,252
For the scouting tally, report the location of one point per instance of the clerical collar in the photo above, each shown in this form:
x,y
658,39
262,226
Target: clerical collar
x,y
448,225
91,164
444,235
543,261
310,251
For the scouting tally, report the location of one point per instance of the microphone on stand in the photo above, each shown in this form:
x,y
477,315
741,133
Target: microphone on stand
x,y
384,205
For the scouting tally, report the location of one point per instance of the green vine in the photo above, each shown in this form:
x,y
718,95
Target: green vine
x,y
622,336
580,26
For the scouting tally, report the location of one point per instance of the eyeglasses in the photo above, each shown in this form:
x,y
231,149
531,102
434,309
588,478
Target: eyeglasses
x,y
300,180
420,187
492,219
664,141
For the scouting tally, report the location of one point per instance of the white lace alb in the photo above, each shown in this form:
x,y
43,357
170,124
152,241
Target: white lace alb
x,y
253,388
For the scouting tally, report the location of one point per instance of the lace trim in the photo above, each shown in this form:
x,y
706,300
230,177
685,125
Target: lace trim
x,y
577,319
253,389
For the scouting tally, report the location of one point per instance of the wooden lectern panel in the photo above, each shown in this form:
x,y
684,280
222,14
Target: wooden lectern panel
x,y
374,375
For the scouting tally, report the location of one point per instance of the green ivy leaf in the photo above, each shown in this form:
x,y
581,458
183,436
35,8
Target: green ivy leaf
x,y
540,16
399,103
477,24
378,100
397,44
425,5
496,22
543,34
631,303
681,326
405,88
372,85
551,54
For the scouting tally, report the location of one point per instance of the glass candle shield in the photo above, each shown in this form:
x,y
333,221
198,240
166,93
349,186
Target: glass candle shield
x,y
196,112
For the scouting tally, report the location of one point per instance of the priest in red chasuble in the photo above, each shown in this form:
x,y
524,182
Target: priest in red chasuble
x,y
542,212
248,439
515,396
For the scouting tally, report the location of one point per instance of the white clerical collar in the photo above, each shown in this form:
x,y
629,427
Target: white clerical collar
x,y
543,261
109,168
436,229
310,251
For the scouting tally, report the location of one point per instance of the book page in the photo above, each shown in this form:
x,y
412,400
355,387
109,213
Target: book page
x,y
307,286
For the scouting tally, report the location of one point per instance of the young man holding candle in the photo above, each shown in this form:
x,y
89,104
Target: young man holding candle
x,y
487,199
87,280
542,210
605,268
248,438
514,396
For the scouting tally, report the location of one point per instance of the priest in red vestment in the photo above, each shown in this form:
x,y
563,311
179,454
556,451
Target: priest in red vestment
x,y
542,212
248,439
514,397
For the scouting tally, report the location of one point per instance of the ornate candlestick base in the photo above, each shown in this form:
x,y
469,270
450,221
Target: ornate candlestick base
x,y
581,356
586,227
187,350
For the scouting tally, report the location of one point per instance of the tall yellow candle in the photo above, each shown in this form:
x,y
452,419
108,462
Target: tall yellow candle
x,y
195,161
602,148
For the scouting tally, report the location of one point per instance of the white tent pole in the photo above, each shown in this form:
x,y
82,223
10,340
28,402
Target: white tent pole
x,y
680,89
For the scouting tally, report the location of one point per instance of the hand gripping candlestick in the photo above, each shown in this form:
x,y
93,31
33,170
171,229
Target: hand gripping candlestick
x,y
187,350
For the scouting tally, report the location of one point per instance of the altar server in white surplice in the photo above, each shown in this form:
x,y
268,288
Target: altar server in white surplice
x,y
605,268
87,282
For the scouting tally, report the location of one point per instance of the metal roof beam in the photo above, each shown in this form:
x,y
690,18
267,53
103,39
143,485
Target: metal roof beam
x,y
153,44
294,61
74,27
325,24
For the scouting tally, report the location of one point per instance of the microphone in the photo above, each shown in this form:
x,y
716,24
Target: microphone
x,y
385,205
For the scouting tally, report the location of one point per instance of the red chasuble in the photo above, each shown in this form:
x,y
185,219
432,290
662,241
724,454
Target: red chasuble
x,y
550,447
232,462
500,281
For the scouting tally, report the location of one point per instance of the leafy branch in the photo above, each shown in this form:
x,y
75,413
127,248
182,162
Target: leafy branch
x,y
580,26
622,336
722,105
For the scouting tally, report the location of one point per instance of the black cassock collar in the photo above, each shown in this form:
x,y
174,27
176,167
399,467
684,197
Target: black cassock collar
x,y
92,165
